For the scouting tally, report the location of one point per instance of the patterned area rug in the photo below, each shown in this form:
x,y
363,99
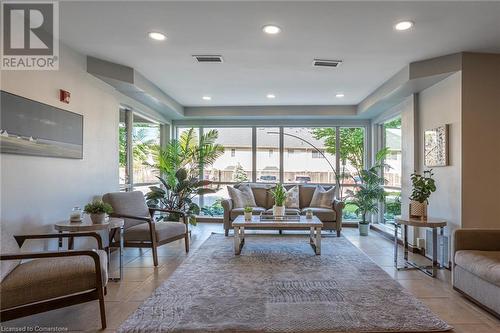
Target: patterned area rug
x,y
277,284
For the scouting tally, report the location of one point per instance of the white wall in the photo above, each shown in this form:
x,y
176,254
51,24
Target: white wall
x,y
438,105
38,191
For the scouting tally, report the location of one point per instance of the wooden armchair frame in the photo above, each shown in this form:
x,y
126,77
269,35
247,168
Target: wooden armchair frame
x,y
153,243
52,304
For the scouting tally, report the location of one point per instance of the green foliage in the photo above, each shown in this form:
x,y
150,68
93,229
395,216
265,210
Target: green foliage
x,y
279,195
142,148
239,174
248,209
214,209
423,186
369,189
395,123
98,207
351,144
179,163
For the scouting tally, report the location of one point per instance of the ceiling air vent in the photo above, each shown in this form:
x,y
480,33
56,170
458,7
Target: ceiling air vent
x,y
326,63
208,58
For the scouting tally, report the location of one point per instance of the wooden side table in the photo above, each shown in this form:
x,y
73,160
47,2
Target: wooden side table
x,y
87,225
434,224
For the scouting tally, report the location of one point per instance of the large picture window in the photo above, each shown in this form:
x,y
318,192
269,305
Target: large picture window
x,y
268,155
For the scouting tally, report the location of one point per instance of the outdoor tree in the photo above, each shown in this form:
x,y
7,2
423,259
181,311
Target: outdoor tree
x,y
239,174
351,144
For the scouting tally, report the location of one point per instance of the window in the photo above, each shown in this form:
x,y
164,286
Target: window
x,y
392,172
268,163
299,167
145,143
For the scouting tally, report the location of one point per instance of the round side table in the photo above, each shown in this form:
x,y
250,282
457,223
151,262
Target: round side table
x,y
111,224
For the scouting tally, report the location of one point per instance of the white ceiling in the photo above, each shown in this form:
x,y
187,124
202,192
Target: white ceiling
x,y
255,64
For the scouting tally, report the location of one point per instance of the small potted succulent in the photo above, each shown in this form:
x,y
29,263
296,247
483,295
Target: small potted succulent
x,y
247,211
97,211
422,187
279,195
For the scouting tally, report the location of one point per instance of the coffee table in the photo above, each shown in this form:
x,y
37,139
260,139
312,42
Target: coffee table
x,y
239,225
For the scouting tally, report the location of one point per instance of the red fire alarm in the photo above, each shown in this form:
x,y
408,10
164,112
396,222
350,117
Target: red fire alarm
x,y
64,96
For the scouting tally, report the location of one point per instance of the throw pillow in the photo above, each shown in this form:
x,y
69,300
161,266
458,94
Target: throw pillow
x,y
322,198
242,196
292,197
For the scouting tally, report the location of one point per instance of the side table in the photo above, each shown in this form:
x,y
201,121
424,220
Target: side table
x,y
87,225
434,224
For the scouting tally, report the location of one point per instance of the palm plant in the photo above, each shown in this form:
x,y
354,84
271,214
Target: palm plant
x,y
179,164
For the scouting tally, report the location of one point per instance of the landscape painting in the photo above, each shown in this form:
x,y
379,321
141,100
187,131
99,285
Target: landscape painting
x,y
28,127
436,146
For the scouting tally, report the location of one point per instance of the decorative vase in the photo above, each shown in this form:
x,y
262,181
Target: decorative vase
x,y
98,218
309,214
278,210
418,209
363,229
248,216
76,215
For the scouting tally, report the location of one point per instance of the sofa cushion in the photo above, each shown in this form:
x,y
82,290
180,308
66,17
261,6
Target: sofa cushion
x,y
43,279
323,198
242,196
288,211
292,197
239,211
164,230
261,194
324,214
484,264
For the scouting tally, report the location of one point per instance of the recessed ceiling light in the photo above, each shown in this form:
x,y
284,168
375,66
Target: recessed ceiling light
x,y
339,95
207,98
271,29
403,25
157,35
271,96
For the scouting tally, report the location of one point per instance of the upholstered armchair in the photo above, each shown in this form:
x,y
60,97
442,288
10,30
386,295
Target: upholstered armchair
x,y
141,229
34,282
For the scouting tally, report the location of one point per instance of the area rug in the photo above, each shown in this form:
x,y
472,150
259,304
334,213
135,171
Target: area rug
x,y
277,284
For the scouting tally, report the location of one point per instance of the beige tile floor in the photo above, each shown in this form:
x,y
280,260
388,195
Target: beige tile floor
x,y
141,279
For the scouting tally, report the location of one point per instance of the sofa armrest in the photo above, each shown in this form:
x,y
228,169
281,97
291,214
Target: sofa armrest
x,y
227,204
338,206
476,239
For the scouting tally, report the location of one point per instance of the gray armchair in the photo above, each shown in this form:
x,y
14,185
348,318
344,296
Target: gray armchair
x,y
141,229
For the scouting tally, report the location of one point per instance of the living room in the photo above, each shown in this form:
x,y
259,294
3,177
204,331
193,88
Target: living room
x,y
250,166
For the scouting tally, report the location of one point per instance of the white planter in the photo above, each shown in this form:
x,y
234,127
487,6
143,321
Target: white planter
x,y
98,218
248,216
279,210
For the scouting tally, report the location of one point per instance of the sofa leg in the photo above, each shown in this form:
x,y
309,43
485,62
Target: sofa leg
x,y
281,232
226,232
338,233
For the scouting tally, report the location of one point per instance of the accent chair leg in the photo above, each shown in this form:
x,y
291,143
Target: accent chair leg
x,y
102,308
105,290
338,233
186,242
155,254
226,232
281,232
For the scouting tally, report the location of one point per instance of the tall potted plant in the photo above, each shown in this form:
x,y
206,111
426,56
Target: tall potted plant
x,y
370,191
279,195
180,162
422,187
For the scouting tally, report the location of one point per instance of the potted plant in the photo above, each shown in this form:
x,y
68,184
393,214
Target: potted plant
x,y
422,187
247,211
279,195
370,191
97,211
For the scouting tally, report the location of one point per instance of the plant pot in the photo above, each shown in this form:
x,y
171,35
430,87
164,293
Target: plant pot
x,y
98,218
418,209
363,228
279,210
248,216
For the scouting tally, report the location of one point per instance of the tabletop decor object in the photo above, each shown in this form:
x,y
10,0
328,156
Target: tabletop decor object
x,y
279,195
76,214
98,210
422,187
247,211
309,214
